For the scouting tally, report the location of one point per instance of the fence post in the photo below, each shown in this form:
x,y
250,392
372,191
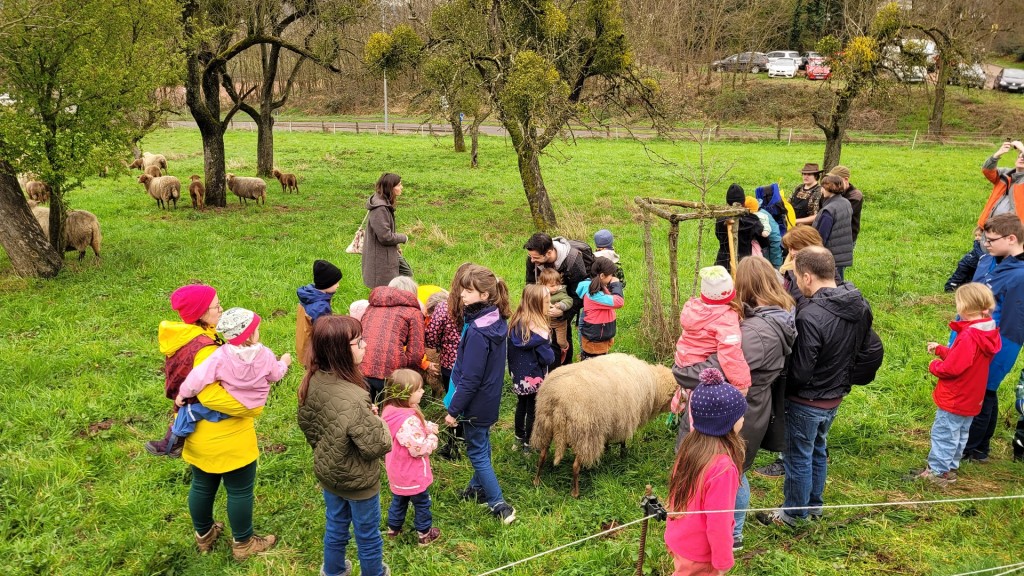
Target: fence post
x,y
790,143
914,143
357,127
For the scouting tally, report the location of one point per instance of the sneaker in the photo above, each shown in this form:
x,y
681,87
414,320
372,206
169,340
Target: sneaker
x,y
975,458
449,452
525,448
205,543
393,533
941,480
347,572
737,544
429,536
474,495
774,470
504,512
776,518
254,545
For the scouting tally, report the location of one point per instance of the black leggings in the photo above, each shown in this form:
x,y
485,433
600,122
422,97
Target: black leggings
x,y
526,407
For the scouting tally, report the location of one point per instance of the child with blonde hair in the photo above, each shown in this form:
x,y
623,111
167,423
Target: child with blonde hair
x,y
962,370
408,463
529,356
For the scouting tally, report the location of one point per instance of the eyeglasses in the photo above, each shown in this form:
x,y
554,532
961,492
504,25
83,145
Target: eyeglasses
x,y
216,306
358,343
989,241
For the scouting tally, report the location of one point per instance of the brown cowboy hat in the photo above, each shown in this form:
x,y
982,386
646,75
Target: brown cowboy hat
x,y
810,168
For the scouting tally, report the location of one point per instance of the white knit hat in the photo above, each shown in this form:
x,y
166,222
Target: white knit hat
x,y
716,285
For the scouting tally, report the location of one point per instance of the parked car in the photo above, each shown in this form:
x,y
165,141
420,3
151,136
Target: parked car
x,y
818,69
783,67
1010,80
777,54
806,57
910,74
970,75
753,62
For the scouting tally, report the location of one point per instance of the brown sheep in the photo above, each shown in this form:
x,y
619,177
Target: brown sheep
x,y
81,230
38,191
587,405
164,189
198,192
288,181
147,160
153,171
247,188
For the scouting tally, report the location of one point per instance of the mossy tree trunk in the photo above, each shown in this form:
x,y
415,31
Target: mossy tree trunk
x,y
30,252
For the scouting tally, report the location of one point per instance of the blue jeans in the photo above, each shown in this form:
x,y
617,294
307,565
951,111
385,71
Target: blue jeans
x,y
364,517
742,503
422,518
949,436
806,459
478,449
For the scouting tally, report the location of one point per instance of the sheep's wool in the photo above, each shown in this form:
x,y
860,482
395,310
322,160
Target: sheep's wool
x,y
715,405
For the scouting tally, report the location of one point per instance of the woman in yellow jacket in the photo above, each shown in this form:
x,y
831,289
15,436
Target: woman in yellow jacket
x,y
217,451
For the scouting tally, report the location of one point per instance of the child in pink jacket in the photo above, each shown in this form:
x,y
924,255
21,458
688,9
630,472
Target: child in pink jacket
x,y
408,463
711,325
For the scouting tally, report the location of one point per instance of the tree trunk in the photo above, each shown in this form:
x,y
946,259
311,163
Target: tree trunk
x,y
31,254
833,150
213,166
939,106
58,218
536,193
457,136
264,141
474,138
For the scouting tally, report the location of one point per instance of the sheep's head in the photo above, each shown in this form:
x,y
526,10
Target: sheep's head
x,y
194,177
136,164
145,179
666,386
276,173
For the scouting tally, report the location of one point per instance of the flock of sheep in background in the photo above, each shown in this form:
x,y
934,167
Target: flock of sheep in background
x,y
82,228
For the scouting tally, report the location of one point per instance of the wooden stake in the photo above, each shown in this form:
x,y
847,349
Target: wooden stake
x,y
732,247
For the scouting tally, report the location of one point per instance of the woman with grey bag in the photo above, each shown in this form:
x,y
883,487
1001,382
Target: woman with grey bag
x,y
382,258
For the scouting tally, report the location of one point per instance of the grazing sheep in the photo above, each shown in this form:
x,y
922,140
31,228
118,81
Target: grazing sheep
x,y
198,192
25,177
81,230
288,181
164,189
38,191
587,405
147,160
153,171
247,188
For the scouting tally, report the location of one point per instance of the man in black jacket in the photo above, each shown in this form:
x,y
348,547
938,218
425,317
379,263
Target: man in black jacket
x,y
832,330
543,251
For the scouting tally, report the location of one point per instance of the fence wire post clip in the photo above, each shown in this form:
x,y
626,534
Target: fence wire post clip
x,y
653,508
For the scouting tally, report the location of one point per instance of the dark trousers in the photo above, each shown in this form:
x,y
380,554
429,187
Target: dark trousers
x,y
526,407
983,427
239,486
376,389
422,518
965,268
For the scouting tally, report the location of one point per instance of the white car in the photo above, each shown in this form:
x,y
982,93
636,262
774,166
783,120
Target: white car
x,y
783,67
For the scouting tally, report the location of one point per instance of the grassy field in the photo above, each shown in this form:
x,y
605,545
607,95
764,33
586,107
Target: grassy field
x,y
81,384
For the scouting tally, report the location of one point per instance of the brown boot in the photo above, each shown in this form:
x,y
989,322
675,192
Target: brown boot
x,y
254,545
205,543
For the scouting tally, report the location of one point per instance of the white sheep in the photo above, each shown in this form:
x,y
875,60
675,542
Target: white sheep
x,y
247,188
197,191
587,405
287,180
81,230
164,189
147,160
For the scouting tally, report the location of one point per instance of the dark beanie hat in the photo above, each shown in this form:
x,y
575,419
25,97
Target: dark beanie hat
x,y
735,195
715,405
325,274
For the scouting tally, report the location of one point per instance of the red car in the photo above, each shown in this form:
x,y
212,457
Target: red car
x,y
817,69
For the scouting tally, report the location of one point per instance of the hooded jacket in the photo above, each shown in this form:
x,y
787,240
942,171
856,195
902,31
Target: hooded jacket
x,y
393,330
380,243
962,369
597,323
244,371
529,359
313,304
347,439
1006,279
771,201
834,325
747,228
184,347
479,371
412,441
712,329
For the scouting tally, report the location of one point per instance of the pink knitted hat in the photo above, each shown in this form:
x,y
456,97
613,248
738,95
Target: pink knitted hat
x,y
192,301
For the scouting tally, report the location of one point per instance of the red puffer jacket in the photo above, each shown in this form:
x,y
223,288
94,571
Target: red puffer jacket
x,y
962,369
393,330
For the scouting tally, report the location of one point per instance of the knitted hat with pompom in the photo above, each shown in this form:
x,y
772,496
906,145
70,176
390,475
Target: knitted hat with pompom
x,y
715,405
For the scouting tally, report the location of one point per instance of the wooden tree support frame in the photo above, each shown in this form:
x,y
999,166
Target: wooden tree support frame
x,y
665,208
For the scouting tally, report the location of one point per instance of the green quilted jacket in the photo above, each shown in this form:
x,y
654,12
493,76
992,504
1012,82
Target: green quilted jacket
x,y
348,440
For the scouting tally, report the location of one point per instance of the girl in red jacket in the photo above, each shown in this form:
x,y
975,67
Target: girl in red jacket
x,y
962,370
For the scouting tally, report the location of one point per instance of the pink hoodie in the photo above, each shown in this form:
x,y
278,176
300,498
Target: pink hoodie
x,y
709,329
245,372
707,538
408,463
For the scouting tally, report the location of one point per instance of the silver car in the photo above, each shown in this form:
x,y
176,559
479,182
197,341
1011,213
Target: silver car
x,y
783,68
776,54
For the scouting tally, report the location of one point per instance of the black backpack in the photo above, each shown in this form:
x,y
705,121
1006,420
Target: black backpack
x,y
585,251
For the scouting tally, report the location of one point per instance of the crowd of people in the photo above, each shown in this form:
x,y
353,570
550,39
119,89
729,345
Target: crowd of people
x,y
767,352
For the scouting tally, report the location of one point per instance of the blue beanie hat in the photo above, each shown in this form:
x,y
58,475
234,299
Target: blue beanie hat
x,y
603,239
715,405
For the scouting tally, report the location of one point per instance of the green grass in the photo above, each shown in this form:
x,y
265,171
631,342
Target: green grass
x,y
81,498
